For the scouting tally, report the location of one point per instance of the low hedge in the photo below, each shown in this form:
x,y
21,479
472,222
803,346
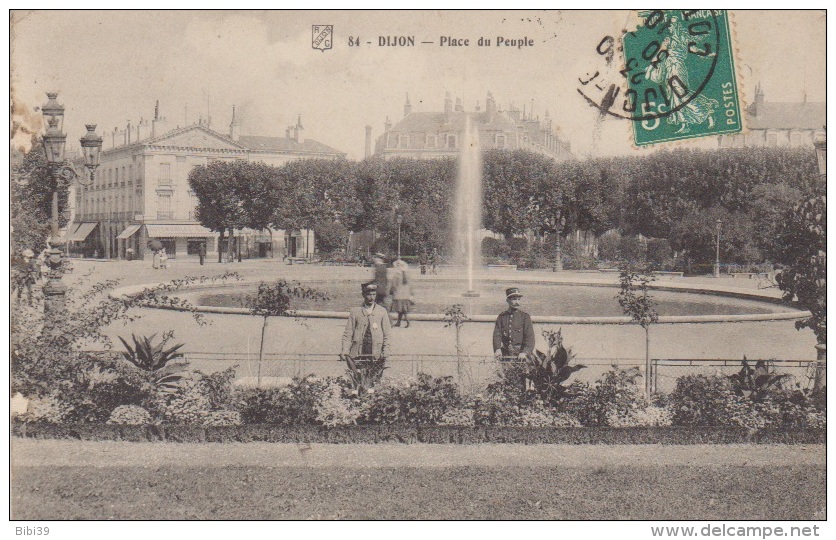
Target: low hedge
x,y
414,434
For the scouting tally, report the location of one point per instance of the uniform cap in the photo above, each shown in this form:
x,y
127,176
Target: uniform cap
x,y
513,292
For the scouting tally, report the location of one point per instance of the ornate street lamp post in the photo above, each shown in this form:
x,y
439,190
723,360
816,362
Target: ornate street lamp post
x,y
400,222
820,143
717,260
557,223
61,171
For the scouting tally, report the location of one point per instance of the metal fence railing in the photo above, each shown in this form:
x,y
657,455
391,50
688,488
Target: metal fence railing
x,y
474,372
665,371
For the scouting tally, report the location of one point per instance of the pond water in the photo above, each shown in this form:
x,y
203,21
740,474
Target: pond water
x,y
539,299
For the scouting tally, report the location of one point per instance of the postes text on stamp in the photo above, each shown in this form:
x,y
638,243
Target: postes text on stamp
x,y
680,76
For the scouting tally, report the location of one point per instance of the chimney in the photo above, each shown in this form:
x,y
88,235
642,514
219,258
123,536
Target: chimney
x,y
234,127
113,137
459,107
490,107
758,100
448,106
158,124
407,107
387,125
142,130
368,141
297,129
128,133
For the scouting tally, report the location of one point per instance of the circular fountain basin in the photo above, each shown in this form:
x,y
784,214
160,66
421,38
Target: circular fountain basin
x,y
547,302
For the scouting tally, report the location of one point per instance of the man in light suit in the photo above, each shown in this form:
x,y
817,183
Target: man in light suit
x,y
366,335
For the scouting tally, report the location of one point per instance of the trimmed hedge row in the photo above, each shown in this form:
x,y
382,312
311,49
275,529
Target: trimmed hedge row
x,y
414,434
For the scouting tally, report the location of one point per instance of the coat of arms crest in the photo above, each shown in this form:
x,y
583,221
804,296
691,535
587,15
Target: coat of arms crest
x,y
322,36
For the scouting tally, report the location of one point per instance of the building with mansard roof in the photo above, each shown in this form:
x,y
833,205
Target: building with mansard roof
x,y
141,190
440,134
782,124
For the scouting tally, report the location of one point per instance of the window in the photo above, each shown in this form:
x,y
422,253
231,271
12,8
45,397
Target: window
x,y
771,138
123,177
165,174
109,177
164,206
116,177
451,141
130,174
432,141
500,141
403,141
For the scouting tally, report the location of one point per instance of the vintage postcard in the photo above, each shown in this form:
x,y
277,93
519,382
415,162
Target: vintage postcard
x,y
425,265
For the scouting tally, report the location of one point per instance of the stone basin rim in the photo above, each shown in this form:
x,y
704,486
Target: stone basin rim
x,y
790,314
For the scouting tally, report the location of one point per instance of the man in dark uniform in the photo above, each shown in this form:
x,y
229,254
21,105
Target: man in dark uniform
x,y
513,335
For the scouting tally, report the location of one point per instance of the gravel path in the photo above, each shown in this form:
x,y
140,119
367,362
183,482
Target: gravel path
x,y
34,453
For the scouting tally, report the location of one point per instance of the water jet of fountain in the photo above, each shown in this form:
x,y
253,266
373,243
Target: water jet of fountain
x,y
469,203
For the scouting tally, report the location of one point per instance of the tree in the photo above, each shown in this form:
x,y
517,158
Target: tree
x,y
770,204
641,307
218,187
274,300
421,191
31,200
331,236
801,247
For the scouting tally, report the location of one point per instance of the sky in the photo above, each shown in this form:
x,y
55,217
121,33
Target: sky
x,y
111,67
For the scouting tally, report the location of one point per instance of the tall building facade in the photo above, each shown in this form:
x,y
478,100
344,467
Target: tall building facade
x,y
440,134
141,190
778,124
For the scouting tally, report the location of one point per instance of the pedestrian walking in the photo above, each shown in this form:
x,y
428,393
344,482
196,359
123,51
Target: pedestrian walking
x,y
434,261
422,261
381,279
201,253
163,259
402,298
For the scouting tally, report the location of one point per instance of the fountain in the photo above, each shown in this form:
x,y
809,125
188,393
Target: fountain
x,y
469,204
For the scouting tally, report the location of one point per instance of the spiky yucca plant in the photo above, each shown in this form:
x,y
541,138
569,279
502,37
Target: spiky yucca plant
x,y
153,360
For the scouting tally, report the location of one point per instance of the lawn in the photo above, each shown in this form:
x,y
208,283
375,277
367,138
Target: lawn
x,y
459,492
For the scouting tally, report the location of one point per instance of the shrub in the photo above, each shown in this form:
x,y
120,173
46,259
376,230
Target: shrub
x,y
187,404
421,401
222,418
546,372
458,416
129,415
700,400
50,409
218,387
333,409
614,400
264,405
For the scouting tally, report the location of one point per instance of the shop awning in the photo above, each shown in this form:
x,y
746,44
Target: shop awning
x,y
82,232
178,230
129,231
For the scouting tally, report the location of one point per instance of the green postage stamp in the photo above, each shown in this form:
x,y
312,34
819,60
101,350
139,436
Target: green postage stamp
x,y
680,75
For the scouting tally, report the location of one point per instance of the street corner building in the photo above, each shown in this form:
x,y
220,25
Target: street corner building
x,y
141,190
